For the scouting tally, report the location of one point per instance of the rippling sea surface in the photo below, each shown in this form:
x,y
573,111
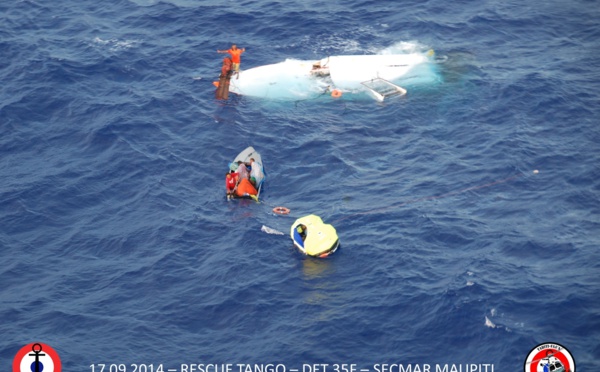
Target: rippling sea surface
x,y
118,245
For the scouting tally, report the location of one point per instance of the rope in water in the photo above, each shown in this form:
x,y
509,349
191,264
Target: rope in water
x,y
433,197
280,210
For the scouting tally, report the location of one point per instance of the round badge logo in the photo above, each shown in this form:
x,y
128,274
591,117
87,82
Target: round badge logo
x,y
36,357
549,357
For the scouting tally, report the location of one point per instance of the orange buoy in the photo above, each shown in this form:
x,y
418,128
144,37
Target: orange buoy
x,y
216,83
281,210
336,93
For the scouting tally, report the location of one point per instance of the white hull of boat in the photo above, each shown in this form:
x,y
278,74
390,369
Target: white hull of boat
x,y
296,79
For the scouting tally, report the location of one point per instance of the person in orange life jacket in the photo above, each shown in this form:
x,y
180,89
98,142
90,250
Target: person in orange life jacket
x,y
235,57
231,182
226,69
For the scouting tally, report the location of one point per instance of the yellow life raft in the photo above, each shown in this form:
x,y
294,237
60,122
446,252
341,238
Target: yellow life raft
x,y
313,237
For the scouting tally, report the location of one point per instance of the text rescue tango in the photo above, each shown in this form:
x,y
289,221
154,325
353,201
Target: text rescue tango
x,y
324,367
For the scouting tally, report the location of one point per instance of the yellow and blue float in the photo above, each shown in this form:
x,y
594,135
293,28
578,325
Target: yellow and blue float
x,y
313,237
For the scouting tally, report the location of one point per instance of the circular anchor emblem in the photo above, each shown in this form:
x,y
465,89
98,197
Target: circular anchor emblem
x,y
36,357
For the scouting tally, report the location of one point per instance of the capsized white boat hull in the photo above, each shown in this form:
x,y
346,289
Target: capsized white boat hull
x,y
297,79
288,79
348,72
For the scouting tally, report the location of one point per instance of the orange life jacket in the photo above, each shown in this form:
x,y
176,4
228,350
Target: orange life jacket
x,y
245,187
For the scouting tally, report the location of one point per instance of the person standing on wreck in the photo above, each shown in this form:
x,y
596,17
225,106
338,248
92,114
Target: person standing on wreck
x,y
235,58
226,68
222,91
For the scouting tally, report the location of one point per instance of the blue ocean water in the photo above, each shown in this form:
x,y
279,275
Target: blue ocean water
x,y
118,245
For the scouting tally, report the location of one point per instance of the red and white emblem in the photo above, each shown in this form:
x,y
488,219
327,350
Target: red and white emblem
x,y
549,357
36,357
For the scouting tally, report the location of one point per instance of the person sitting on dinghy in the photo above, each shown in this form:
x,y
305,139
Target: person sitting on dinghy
x,y
256,171
231,181
242,170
